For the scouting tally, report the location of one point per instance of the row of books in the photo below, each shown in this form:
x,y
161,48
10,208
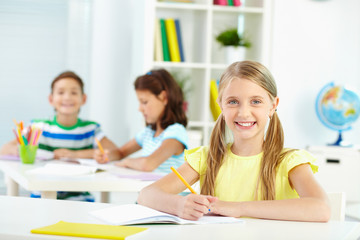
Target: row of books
x,y
236,3
177,1
168,43
216,2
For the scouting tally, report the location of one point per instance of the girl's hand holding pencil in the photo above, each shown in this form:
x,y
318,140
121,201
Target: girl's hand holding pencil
x,y
193,206
101,157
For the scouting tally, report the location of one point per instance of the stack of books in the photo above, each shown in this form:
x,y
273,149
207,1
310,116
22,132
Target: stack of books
x,y
236,3
168,43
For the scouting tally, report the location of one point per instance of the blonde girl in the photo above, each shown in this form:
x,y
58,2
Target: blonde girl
x,y
253,175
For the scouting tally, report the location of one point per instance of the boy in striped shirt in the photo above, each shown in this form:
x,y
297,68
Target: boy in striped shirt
x,y
66,135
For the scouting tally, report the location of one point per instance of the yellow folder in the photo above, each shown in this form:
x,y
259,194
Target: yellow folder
x,y
88,230
214,106
172,39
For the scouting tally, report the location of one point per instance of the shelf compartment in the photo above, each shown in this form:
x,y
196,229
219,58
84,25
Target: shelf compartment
x,y
193,31
225,20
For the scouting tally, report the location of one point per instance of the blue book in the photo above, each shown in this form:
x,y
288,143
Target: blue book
x,y
178,33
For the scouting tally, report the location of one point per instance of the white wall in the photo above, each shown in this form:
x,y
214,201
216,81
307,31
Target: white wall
x,y
314,42
112,96
38,40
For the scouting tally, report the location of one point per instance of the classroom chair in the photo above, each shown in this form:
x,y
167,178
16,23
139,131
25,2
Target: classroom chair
x,y
337,204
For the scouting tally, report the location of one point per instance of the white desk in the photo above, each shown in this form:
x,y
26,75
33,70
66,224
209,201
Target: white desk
x,y
353,210
104,182
19,215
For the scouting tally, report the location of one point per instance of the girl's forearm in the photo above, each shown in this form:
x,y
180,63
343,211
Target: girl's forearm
x,y
301,209
114,154
162,202
141,164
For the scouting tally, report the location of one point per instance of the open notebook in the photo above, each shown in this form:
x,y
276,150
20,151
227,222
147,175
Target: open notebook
x,y
137,214
69,167
62,169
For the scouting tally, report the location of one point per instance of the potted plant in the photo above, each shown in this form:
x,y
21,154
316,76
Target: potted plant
x,y
235,45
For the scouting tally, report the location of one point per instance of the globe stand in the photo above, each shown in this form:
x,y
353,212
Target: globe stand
x,y
340,143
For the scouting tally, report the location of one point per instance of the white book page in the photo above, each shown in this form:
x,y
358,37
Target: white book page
x,y
87,162
138,214
94,163
61,169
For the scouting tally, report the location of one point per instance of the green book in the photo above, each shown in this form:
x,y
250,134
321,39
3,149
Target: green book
x,y
230,2
164,41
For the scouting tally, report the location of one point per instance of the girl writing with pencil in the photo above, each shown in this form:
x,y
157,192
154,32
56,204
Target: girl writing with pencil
x,y
250,173
66,135
164,138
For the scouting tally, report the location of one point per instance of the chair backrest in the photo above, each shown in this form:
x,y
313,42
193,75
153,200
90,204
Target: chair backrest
x,y
337,204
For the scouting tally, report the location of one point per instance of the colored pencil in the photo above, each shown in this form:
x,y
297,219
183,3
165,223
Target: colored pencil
x,y
183,180
21,140
16,124
101,148
38,136
35,136
29,134
17,137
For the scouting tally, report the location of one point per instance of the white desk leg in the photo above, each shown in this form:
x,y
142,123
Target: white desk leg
x,y
48,194
104,197
12,187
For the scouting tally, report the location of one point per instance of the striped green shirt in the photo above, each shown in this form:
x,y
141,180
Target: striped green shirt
x,y
78,137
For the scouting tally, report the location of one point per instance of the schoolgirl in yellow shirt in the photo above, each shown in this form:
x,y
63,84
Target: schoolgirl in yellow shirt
x,y
252,175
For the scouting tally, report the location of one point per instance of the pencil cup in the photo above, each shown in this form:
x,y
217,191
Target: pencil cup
x,y
27,153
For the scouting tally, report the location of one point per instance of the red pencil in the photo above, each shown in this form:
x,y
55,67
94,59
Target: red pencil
x,y
17,137
29,134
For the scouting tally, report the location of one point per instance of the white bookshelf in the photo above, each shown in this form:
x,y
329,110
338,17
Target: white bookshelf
x,y
200,22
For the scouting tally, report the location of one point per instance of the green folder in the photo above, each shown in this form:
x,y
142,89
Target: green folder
x,y
164,41
88,230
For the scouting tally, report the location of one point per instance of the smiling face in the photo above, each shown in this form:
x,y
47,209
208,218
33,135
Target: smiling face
x,y
67,97
246,108
151,106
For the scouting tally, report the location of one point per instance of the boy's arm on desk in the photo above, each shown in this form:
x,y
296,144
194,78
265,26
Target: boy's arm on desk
x,y
87,153
73,154
10,148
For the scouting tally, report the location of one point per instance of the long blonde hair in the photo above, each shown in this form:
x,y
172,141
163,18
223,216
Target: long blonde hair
x,y
274,140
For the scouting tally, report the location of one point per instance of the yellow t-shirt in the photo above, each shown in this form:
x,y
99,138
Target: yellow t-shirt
x,y
237,177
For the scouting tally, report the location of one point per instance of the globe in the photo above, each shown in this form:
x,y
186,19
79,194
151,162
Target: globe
x,y
337,107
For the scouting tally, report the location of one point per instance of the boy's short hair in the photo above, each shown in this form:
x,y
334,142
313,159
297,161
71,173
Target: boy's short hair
x,y
68,74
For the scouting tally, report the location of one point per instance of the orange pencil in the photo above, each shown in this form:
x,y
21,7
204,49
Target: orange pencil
x,y
21,140
183,180
100,148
